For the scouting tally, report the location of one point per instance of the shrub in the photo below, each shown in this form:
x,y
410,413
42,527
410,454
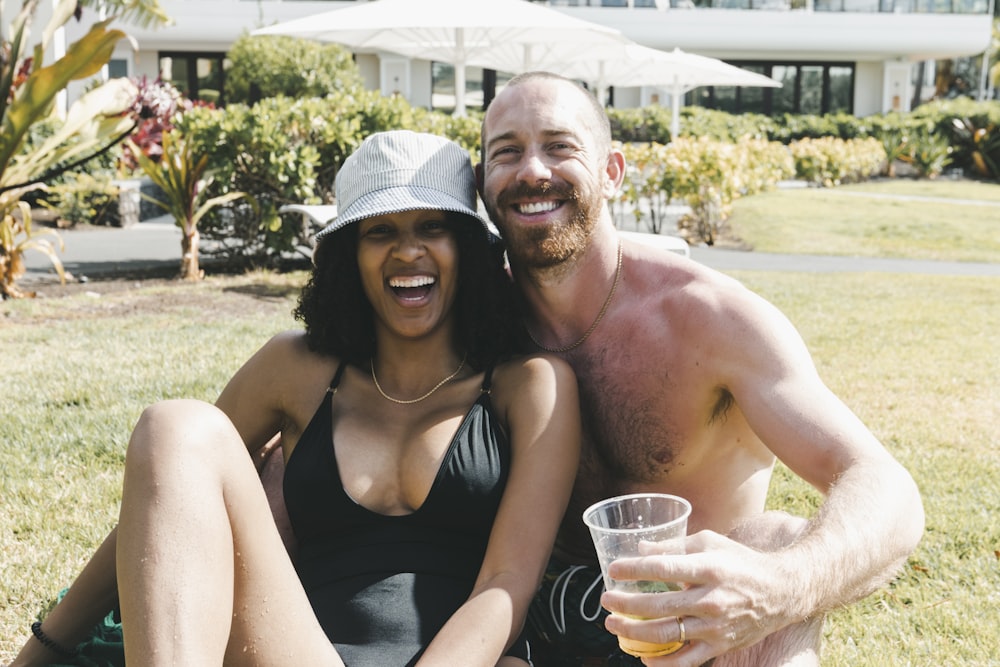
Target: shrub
x,y
929,154
85,198
288,151
273,65
830,161
264,150
705,173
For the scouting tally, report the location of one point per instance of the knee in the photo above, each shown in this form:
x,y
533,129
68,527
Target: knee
x,y
769,531
179,427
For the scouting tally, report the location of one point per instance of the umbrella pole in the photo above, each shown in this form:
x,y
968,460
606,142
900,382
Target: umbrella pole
x,y
460,74
459,90
675,104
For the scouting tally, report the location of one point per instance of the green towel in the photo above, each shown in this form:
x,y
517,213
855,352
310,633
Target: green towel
x,y
102,648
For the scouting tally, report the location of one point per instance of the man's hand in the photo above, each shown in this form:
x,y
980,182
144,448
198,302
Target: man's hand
x,y
731,597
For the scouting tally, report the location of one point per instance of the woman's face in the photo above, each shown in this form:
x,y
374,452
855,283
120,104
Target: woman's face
x,y
408,263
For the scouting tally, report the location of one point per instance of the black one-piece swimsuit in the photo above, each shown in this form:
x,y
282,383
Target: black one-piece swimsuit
x,y
383,586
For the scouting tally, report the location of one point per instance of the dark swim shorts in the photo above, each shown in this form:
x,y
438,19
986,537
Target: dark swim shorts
x,y
565,622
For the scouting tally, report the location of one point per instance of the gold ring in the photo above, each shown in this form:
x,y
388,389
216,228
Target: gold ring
x,y
680,627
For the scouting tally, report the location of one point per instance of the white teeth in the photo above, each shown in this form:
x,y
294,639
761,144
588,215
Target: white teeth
x,y
538,207
411,281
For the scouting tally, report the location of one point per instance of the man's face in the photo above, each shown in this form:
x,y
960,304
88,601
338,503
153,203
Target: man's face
x,y
544,174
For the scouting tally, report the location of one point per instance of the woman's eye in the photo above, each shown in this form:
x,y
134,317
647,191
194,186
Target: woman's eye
x,y
434,227
377,231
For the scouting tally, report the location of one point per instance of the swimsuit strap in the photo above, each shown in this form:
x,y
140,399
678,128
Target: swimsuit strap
x,y
487,380
335,382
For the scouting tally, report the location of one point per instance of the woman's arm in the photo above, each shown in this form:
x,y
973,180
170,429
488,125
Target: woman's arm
x,y
94,593
538,395
89,599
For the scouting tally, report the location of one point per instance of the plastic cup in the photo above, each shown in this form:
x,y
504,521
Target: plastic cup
x,y
618,525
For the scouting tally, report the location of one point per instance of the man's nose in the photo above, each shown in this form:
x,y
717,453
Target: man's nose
x,y
534,167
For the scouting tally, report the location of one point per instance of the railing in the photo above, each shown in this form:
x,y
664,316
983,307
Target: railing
x,y
905,6
861,6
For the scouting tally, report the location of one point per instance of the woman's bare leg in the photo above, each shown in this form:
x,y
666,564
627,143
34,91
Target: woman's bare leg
x,y
203,577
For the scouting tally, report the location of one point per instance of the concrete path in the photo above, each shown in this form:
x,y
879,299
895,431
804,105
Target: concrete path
x,y
96,251
156,243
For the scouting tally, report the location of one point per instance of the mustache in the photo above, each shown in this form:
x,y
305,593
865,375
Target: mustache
x,y
547,189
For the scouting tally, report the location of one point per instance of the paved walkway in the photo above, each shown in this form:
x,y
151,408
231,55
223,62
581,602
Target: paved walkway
x,y
157,243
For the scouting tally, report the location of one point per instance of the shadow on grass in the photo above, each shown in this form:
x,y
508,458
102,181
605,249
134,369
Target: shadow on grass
x,y
265,291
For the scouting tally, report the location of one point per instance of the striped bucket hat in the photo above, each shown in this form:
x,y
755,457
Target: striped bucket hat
x,y
404,171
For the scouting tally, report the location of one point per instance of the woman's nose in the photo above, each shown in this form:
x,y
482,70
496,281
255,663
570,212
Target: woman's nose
x,y
409,247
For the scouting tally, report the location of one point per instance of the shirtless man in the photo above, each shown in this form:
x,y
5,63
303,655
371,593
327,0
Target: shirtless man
x,y
691,385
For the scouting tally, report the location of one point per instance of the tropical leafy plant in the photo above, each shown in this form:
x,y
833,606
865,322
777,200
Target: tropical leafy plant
x,y
981,145
16,238
929,154
28,91
181,176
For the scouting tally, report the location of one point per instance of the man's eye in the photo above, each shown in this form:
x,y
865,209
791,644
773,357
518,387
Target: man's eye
x,y
504,152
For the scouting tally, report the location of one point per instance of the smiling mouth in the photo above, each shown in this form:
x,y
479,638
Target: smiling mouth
x,y
536,207
411,287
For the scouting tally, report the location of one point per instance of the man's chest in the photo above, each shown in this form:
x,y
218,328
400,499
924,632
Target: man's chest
x,y
640,411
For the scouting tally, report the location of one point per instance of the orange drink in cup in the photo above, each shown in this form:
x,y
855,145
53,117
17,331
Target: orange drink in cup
x,y
617,526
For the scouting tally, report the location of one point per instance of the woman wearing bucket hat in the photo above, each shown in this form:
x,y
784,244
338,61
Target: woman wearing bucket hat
x,y
427,466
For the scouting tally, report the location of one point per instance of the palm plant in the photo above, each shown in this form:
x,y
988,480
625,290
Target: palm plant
x,y
181,176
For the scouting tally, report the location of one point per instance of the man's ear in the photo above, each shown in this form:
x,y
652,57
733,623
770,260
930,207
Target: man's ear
x,y
479,178
615,173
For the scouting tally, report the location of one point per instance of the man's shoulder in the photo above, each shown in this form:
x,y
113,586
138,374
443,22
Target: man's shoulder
x,y
669,277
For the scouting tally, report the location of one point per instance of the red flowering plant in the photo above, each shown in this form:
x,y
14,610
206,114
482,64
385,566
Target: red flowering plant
x,y
156,106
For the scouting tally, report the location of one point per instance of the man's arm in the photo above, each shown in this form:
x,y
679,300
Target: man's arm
x,y
870,521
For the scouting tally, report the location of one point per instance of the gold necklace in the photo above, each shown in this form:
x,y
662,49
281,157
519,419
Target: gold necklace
x,y
600,315
415,400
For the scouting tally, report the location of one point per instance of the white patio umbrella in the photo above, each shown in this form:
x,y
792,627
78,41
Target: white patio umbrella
x,y
506,35
678,71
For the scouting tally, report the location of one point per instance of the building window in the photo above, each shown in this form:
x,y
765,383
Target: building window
x,y
809,88
841,86
443,87
200,76
117,68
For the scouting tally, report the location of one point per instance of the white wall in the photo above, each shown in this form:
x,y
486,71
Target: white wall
x,y
868,83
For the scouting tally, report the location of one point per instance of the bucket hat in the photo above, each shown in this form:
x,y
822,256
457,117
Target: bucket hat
x,y
404,171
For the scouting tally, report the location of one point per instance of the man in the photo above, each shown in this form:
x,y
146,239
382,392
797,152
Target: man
x,y
690,385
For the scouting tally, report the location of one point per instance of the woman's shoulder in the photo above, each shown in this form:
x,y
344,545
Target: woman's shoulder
x,y
519,375
290,350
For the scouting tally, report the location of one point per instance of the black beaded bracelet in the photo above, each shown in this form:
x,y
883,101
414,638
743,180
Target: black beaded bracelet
x,y
49,643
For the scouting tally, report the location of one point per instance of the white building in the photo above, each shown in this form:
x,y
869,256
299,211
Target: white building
x,y
831,55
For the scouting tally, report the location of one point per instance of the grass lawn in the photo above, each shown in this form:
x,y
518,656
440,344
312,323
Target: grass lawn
x,y
915,356
843,221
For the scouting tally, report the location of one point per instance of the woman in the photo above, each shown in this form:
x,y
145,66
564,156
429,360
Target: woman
x,y
427,468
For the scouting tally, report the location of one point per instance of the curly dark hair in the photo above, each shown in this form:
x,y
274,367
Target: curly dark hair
x,y
339,320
